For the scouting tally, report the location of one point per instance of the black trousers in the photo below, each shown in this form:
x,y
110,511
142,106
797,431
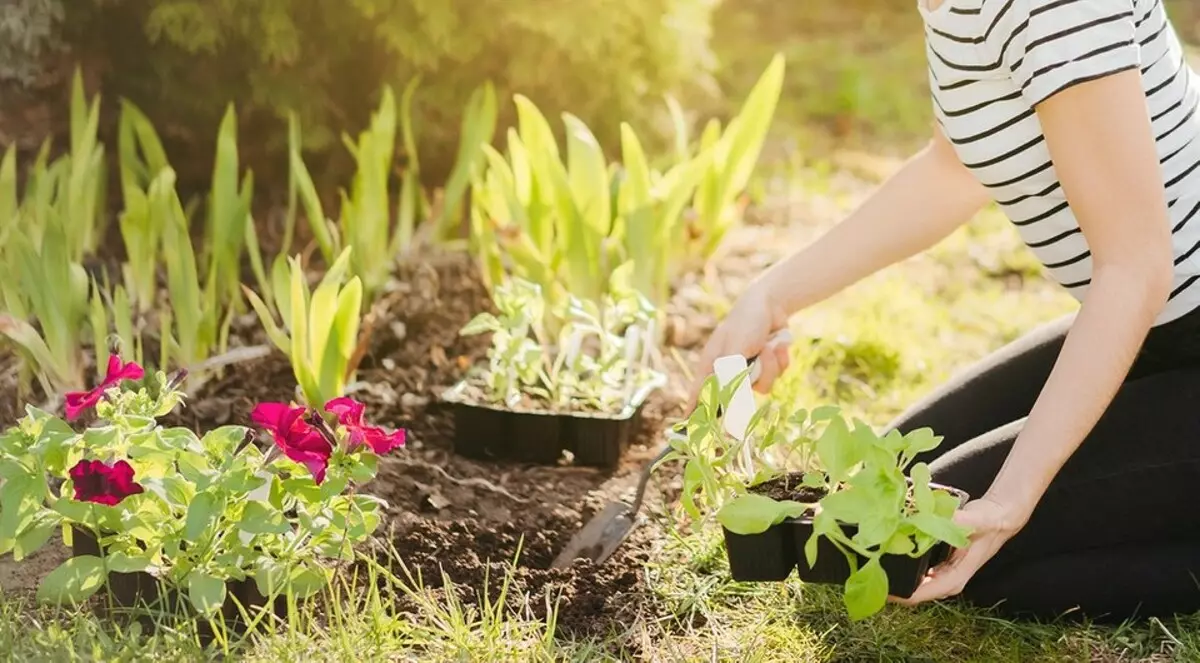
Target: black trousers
x,y
1117,535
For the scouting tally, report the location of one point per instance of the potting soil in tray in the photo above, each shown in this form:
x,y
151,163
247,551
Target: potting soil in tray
x,y
771,555
484,431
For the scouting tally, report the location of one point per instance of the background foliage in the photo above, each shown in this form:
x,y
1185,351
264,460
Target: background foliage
x,y
182,60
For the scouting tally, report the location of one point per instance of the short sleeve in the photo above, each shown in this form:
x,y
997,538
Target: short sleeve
x,y
1051,45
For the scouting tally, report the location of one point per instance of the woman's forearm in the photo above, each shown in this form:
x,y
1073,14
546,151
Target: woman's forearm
x,y
922,203
1095,358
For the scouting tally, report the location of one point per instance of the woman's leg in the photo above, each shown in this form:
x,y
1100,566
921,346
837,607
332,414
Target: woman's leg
x,y
991,393
1132,485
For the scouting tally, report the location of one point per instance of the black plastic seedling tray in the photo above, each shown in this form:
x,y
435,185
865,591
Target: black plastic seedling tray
x,y
772,555
140,589
490,432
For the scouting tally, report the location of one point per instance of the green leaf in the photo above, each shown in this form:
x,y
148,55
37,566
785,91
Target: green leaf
x,y
259,518
945,503
920,441
922,495
899,544
815,480
119,562
222,441
825,413
866,591
201,515
940,528
80,512
838,450
810,549
206,592
308,580
270,576
36,534
754,514
73,581
481,324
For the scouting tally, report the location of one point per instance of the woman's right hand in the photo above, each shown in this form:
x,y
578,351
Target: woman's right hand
x,y
746,331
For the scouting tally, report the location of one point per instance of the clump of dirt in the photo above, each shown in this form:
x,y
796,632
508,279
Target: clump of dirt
x,y
590,599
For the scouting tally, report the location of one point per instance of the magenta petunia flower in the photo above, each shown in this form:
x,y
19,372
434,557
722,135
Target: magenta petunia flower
x,y
79,401
295,437
350,415
100,483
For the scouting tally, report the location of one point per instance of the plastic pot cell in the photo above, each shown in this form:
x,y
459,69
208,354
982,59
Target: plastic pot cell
x,y
904,573
491,432
141,590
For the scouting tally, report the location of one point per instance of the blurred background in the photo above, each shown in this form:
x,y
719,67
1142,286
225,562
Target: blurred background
x,y
855,71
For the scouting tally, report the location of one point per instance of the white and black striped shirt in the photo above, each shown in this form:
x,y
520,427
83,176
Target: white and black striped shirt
x,y
992,61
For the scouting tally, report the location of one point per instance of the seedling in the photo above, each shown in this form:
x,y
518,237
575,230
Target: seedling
x,y
848,483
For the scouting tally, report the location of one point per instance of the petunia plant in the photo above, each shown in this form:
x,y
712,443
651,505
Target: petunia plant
x,y
194,512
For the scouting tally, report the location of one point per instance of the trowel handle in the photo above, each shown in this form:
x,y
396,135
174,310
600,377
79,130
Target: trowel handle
x,y
781,337
645,478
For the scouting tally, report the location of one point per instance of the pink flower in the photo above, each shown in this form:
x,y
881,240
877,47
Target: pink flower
x,y
350,415
79,401
100,483
298,439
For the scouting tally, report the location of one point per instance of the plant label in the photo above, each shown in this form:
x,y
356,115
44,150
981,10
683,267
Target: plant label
x,y
741,404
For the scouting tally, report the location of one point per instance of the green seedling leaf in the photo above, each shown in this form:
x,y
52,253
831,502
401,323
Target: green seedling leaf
x,y
36,534
259,518
940,528
201,515
900,544
206,592
74,581
815,479
120,562
922,495
839,450
866,591
754,514
944,503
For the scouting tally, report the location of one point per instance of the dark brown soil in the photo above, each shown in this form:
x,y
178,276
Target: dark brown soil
x,y
450,513
464,516
788,487
590,600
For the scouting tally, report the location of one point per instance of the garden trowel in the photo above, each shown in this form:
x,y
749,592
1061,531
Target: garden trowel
x,y
606,531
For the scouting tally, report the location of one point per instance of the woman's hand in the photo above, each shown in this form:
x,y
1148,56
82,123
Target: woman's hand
x,y
992,525
745,331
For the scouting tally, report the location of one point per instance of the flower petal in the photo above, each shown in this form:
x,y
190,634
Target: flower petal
x,y
348,411
78,402
380,441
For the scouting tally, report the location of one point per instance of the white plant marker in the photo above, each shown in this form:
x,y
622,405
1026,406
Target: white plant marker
x,y
632,336
736,417
742,405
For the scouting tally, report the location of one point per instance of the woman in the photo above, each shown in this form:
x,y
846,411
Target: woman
x,y
1079,443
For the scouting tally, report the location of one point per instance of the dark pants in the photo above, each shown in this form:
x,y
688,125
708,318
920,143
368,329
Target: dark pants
x,y
1117,535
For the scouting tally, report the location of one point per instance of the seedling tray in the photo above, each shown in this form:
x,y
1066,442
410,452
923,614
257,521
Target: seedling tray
x,y
490,432
772,555
139,590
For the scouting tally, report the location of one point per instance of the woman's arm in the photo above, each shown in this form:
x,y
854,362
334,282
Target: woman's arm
x,y
922,203
1106,160
1100,139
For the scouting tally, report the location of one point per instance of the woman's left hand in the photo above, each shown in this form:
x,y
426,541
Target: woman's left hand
x,y
992,525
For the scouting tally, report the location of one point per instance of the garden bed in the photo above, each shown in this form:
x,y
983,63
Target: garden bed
x,y
447,512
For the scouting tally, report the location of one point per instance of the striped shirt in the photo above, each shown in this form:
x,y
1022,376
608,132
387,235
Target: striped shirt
x,y
992,61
